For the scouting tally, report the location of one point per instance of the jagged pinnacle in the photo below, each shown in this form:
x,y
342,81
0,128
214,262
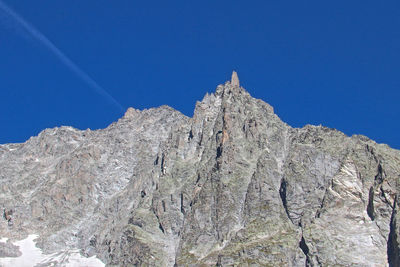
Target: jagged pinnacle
x,y
235,79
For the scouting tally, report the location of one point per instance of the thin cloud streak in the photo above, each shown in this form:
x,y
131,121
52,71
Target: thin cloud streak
x,y
32,31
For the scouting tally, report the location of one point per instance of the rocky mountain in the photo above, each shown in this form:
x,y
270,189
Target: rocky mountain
x,y
232,186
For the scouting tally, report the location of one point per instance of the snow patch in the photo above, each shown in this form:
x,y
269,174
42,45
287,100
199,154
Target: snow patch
x,y
32,255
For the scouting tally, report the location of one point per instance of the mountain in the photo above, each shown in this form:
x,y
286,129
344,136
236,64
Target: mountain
x,y
232,186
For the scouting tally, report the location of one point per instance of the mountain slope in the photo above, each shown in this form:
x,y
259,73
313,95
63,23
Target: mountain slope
x,y
234,185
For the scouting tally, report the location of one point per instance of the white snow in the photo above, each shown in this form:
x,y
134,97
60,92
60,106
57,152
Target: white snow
x,y
3,240
32,255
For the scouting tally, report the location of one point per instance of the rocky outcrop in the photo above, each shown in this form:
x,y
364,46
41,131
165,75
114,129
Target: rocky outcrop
x,y
232,186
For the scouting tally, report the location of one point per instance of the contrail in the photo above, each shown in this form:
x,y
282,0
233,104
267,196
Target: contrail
x,y
60,55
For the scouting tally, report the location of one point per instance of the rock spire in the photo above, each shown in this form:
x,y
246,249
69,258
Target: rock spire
x,y
235,79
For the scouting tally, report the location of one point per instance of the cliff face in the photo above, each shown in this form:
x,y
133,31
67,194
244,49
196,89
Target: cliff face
x,y
232,186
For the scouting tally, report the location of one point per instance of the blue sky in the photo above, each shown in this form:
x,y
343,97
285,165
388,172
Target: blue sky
x,y
333,63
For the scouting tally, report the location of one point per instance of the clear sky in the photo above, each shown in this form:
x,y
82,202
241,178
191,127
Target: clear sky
x,y
73,62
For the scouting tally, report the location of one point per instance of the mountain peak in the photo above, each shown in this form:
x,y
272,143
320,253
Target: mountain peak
x,y
230,186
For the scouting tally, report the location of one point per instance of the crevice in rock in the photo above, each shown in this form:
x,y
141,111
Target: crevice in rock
x,y
201,138
318,260
393,246
161,228
303,246
379,177
218,157
182,206
318,213
163,168
219,151
163,206
190,135
384,197
370,206
216,189
282,194
219,261
153,209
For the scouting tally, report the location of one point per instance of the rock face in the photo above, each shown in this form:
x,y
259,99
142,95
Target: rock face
x,y
232,186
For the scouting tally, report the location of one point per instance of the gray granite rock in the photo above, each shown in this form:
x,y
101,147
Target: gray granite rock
x,y
232,186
